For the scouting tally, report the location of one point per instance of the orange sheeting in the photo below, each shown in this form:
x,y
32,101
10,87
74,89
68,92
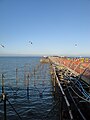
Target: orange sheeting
x,y
77,64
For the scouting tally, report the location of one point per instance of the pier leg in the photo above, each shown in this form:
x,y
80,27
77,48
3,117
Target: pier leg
x,y
4,97
4,101
54,85
54,81
2,83
28,87
27,92
17,77
60,107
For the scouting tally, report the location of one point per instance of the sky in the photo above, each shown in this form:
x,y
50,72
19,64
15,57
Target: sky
x,y
55,27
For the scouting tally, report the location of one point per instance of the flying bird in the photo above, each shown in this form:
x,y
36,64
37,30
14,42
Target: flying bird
x,y
75,44
30,42
2,45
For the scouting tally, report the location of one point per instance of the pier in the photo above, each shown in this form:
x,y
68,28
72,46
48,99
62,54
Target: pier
x,y
78,66
57,88
72,77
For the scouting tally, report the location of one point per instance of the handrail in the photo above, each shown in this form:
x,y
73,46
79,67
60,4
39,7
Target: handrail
x,y
66,100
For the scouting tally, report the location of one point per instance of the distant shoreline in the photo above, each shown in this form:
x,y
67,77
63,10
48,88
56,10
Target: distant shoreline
x,y
43,56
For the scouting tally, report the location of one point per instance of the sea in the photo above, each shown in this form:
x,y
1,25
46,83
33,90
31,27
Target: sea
x,y
26,90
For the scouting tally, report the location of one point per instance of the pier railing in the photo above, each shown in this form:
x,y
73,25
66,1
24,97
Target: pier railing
x,y
63,94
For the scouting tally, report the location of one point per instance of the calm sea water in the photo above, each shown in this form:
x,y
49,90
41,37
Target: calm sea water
x,y
29,90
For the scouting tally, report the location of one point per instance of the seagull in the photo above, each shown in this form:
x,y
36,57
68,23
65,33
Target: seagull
x,y
2,45
75,44
30,42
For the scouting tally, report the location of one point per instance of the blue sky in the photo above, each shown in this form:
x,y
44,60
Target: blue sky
x,y
54,27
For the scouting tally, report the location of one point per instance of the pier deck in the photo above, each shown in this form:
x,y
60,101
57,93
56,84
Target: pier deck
x,y
78,66
71,76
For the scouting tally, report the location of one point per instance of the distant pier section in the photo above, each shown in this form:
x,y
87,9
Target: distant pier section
x,y
78,66
44,59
